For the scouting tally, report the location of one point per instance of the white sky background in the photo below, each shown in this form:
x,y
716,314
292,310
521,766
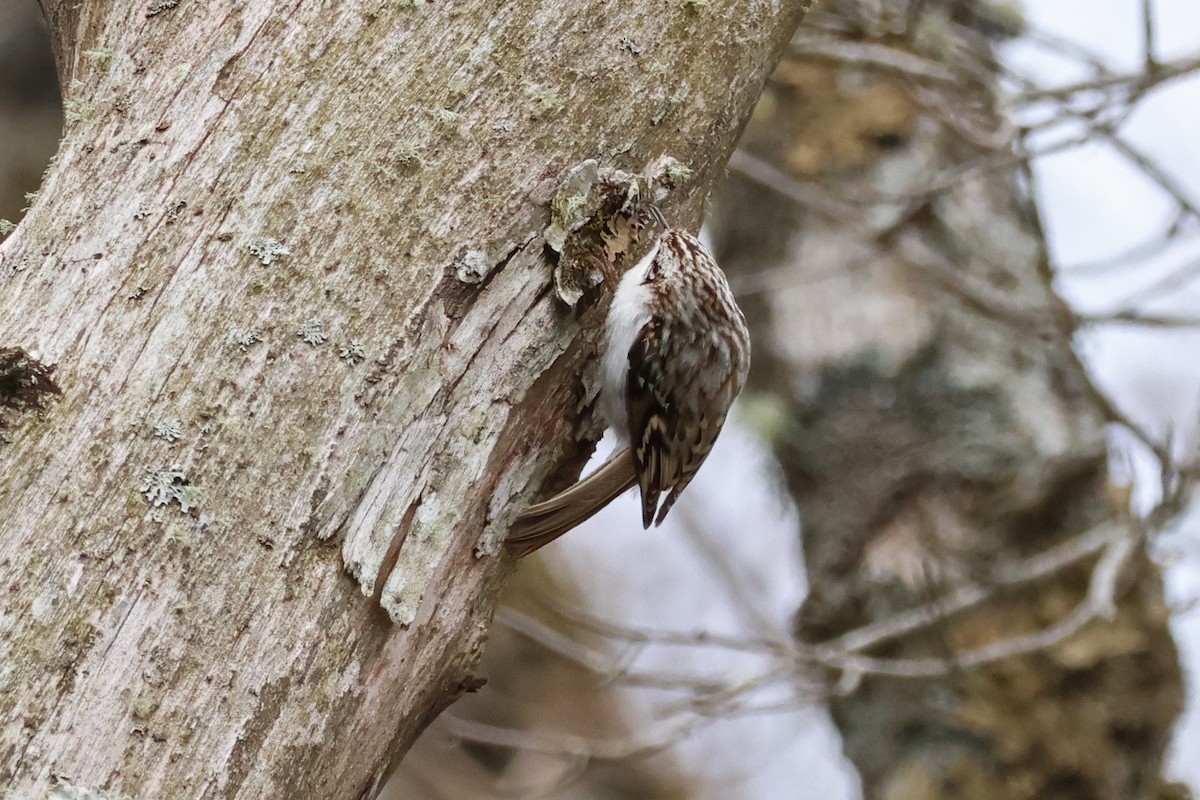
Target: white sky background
x,y
1094,205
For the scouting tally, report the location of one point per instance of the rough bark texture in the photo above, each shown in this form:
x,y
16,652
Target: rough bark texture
x,y
288,262
935,422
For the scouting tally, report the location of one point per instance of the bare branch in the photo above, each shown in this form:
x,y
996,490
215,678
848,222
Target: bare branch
x,y
1099,603
1135,84
561,744
1152,171
1115,542
1151,247
966,597
871,54
1149,38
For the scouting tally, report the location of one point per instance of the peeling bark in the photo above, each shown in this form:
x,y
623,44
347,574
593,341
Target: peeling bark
x,y
255,236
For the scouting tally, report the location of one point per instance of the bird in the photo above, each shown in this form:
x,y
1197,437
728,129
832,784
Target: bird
x,y
676,355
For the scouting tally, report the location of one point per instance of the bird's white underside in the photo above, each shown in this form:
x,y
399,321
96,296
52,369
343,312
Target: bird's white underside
x,y
629,312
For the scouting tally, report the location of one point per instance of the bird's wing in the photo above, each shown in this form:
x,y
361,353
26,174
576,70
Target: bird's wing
x,y
656,435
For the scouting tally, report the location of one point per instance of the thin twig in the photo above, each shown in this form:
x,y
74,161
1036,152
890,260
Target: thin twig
x,y
805,194
562,744
1136,83
646,635
1152,246
1149,38
1099,603
964,598
1139,318
1155,173
871,54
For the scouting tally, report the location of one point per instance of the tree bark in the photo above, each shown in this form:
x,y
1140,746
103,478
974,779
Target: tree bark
x,y
289,264
935,426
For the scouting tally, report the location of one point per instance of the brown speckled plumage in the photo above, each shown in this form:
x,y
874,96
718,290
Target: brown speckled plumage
x,y
677,354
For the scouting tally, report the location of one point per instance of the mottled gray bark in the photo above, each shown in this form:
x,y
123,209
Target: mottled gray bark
x,y
288,262
934,425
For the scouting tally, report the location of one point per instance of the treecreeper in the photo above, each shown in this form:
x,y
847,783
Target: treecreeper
x,y
676,355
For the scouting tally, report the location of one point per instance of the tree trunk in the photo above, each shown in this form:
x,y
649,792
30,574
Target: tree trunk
x,y
939,434
289,265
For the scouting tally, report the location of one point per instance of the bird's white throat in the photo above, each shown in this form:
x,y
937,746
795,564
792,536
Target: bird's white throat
x,y
629,312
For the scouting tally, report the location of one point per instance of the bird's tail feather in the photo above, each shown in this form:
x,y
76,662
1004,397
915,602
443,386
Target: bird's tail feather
x,y
544,522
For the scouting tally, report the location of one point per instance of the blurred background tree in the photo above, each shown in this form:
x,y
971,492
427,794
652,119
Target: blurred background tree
x,y
979,592
30,106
